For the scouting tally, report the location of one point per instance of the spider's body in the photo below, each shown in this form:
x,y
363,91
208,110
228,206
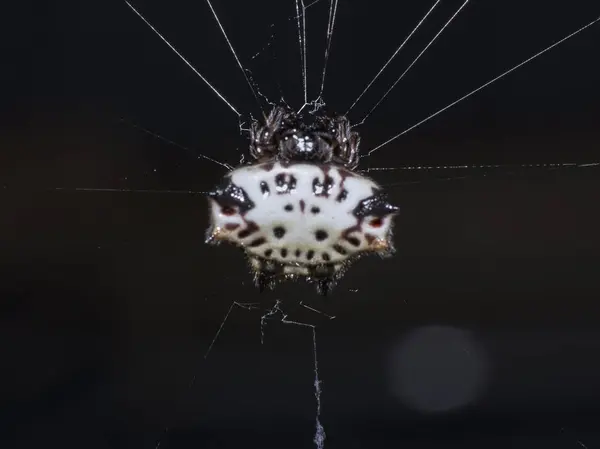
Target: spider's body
x,y
300,210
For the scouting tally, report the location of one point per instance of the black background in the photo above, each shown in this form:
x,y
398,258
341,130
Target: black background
x,y
111,299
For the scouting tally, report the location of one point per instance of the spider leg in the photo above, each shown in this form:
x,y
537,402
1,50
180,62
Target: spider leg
x,y
266,273
255,148
324,286
353,153
263,143
262,281
348,141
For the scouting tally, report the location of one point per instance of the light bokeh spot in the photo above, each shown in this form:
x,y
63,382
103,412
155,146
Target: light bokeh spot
x,y
437,369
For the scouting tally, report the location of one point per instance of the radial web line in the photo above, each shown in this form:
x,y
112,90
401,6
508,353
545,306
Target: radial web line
x,y
514,170
480,166
91,189
413,63
405,183
312,309
241,305
483,86
239,63
476,170
319,438
273,25
298,15
192,382
393,56
170,142
182,58
313,3
333,4
276,310
301,24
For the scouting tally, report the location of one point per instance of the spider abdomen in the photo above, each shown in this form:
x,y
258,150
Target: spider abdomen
x,y
300,219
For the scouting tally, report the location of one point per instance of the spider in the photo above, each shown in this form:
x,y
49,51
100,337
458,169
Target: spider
x,y
299,210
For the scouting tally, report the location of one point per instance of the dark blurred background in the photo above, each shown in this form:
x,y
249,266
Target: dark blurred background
x,y
481,332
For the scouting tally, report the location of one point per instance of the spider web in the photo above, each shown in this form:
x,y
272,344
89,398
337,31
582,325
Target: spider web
x,y
300,19
314,83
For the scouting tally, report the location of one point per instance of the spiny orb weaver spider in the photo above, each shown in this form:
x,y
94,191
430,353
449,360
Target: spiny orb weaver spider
x,y
300,210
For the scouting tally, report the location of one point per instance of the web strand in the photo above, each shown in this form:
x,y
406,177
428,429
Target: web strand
x,y
333,4
91,189
192,382
273,25
483,86
170,142
485,170
319,438
241,305
239,63
313,3
408,168
414,62
480,166
393,56
182,58
301,24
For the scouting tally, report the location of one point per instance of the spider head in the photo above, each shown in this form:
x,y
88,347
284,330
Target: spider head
x,y
288,136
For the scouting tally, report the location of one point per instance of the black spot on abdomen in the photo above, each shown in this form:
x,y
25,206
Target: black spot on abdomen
x,y
279,231
342,196
354,241
321,235
340,249
324,188
259,241
285,183
251,229
264,188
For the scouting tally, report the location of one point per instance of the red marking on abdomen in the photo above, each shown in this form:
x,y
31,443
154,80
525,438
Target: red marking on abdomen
x,y
251,229
376,223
